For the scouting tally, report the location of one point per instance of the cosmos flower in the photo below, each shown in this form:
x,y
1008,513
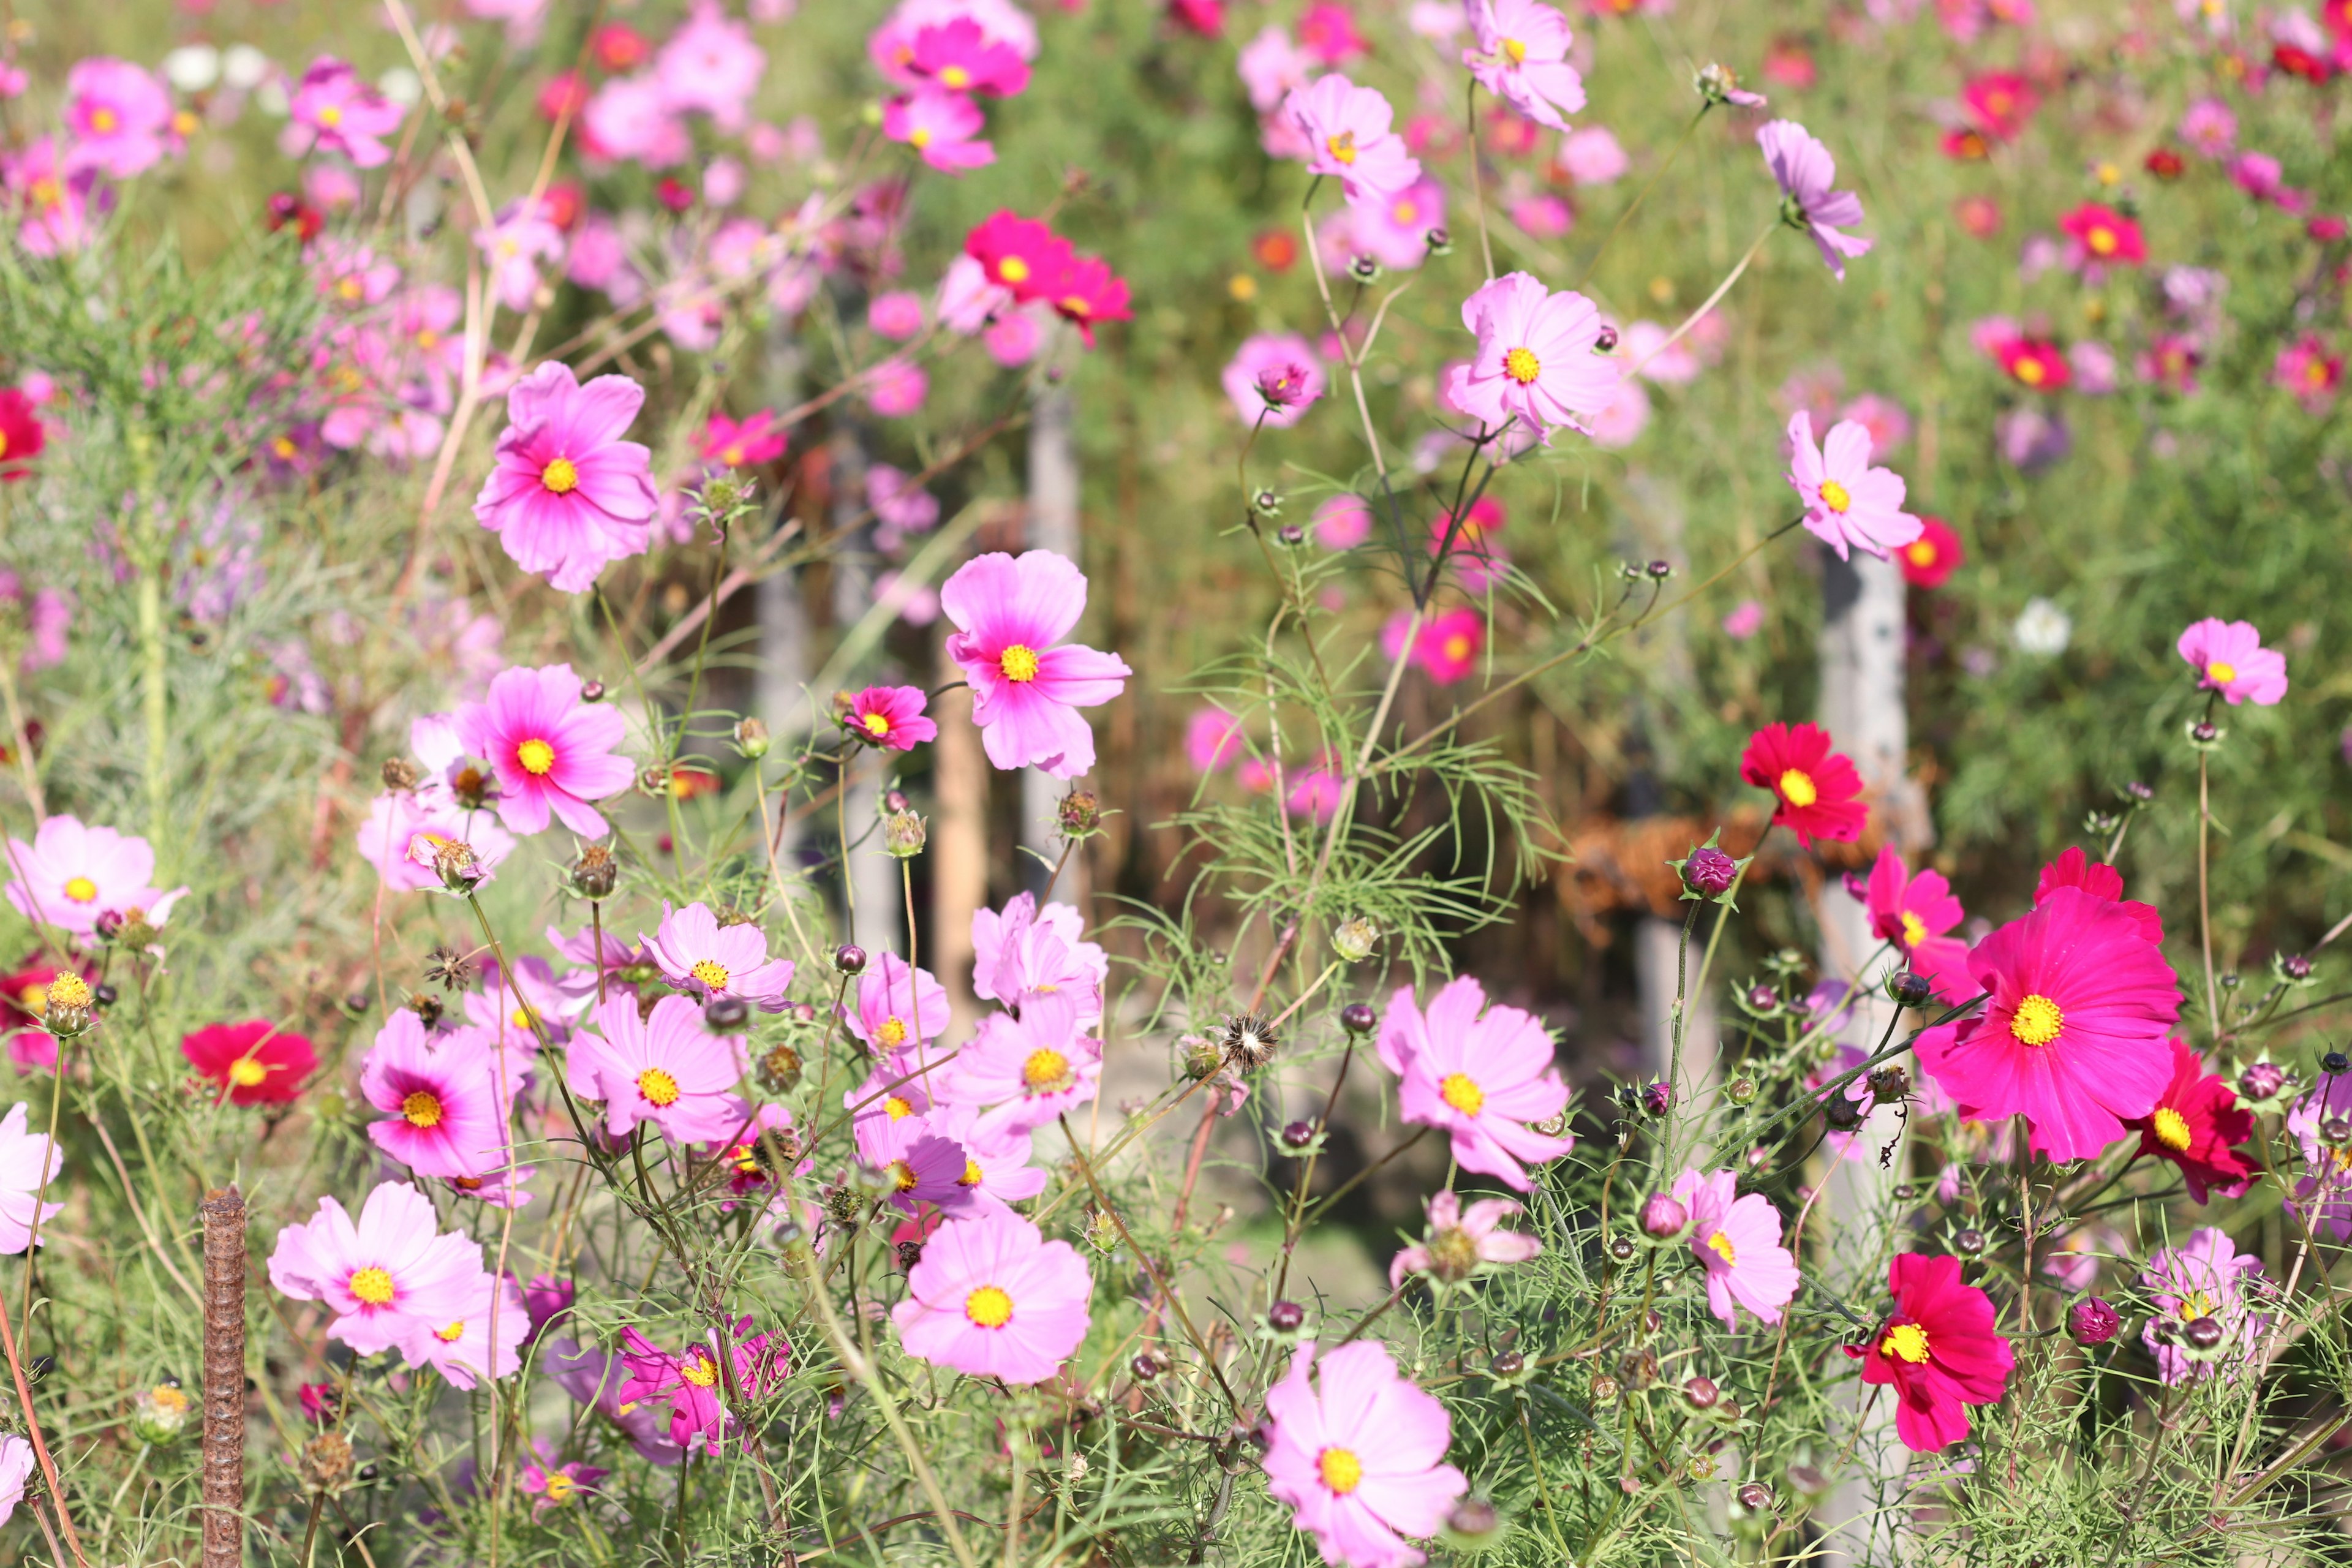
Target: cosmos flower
x,y
1913,913
595,1378
1806,172
69,876
665,1068
2229,657
16,1462
1446,646
2073,868
1025,950
567,494
960,58
386,1278
1010,612
698,1383
1345,131
696,953
1460,1242
484,1337
2100,237
2305,367
745,443
992,1297
558,1488
996,1160
1848,503
2206,1277
332,110
1538,359
943,127
29,1162
1929,561
254,1062
1817,790
923,1166
1027,1070
1522,58
891,718
2034,364
898,1006
118,117
1019,255
552,750
445,1107
1739,1241
1939,1348
1356,1451
1297,379
2198,1126
1482,1079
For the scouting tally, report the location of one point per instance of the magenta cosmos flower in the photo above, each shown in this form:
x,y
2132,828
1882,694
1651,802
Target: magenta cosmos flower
x,y
567,494
2229,657
1806,172
1522,58
1346,131
891,718
552,751
1738,1240
1482,1080
1848,503
1940,1349
923,1166
698,1382
446,1108
1538,359
29,1162
897,1005
1273,378
666,1068
69,876
1010,612
335,112
1359,1455
387,1278
2077,1034
118,117
692,950
1026,1070
1912,914
1461,1242
992,1297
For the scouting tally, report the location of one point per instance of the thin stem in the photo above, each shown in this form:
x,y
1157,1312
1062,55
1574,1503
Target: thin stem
x,y
1639,196
1721,289
1477,181
2204,900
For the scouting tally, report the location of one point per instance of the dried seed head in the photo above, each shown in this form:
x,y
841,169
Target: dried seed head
x,y
779,1069
1079,814
1250,1042
595,873
751,738
326,1462
400,774
1355,938
450,970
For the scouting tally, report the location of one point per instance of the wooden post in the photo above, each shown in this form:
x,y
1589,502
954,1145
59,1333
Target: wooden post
x,y
779,692
224,1443
958,843
1052,525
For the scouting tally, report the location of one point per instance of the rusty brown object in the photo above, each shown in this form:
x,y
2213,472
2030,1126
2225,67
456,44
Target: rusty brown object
x,y
223,1453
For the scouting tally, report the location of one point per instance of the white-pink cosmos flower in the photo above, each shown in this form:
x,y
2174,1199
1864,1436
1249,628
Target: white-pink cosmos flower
x,y
69,876
1738,1240
1538,361
483,1337
666,1067
1459,1242
388,1279
1027,950
1522,58
1806,172
693,949
28,1161
1346,129
1848,503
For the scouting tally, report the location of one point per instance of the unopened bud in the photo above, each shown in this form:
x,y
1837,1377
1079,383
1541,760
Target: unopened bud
x,y
595,873
1297,1135
1709,872
2336,1062
2092,1321
2294,966
1621,1248
1763,998
1291,535
1659,571
1079,814
903,835
2336,1130
751,738
1968,1243
1285,1317
1358,1018
726,1014
1440,241
1354,938
1664,1217
2202,1334
1506,1364
1473,1524
1755,1497
1657,1098
1741,1091
1702,1393
1605,341
1202,1058
1605,1390
849,959
1909,988
1364,268
591,691
2260,1080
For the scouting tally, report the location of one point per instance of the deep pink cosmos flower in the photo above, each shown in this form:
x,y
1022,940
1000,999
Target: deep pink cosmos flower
x,y
897,1005
1929,561
992,1297
2310,371
2198,1126
1019,255
944,127
1522,58
69,876
558,1488
1998,103
1817,790
568,494
891,718
2076,1035
962,58
1027,950
1214,740
118,117
694,952
1848,503
29,1162
252,1063
1806,172
387,1278
1460,1242
2206,1277
1326,30
1739,1241
1939,1348
1345,129
744,443
1536,361
2229,657
446,1108
552,753
1481,1080
1359,1455
335,112
1010,612
2075,870
1087,292
1913,913
2102,236
666,1068
699,1382
1446,647
1026,1070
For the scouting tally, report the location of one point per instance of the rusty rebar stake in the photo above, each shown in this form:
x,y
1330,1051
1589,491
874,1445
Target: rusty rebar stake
x,y
224,1456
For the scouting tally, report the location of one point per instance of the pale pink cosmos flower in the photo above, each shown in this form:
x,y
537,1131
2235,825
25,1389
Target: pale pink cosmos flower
x,y
16,1463
1393,232
1343,522
1028,1070
1744,620
967,301
1848,503
1287,353
711,66
897,1005
1537,362
630,121
446,1109
997,1169
2209,128
1738,1240
1213,740
386,1278
56,204
1482,1079
1272,67
577,985
1010,612
665,1068
1646,351
69,876
515,247
118,117
483,1337
335,112
568,494
992,1297
1346,130
923,1167
29,1160
2229,657
694,952
895,314
2205,1276
1806,172
1359,1455
1459,1242
1522,58
405,828
897,388
1592,156
1026,951
944,127
552,752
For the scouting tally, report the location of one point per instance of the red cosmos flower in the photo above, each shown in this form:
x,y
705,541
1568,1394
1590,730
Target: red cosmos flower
x,y
619,47
1939,1348
1929,561
2198,1126
1088,291
256,1063
2107,237
1818,789
1275,250
2101,880
2165,163
1998,103
21,436
2034,363
2302,63
1966,144
1020,254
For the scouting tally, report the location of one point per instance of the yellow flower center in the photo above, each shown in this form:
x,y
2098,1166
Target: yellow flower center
x,y
2036,1021
2102,241
893,1032
897,1107
1019,662
988,1307
1515,51
2195,1305
972,1173
1342,146
2172,1129
2030,370
452,1334
103,121
34,999
1837,497
349,289
1340,1470
1921,554
876,725
1908,1341
699,1370
902,1175
2316,373
732,456
245,1072
1522,366
1457,646
657,1086
331,117
560,1487
1405,211
561,477
1460,1092
167,1399
2220,672
519,1018
920,137
1914,930
67,990
426,338
422,1109
1046,1069
1798,789
1013,269
955,76
373,1286
1720,1245
82,890
537,757
710,971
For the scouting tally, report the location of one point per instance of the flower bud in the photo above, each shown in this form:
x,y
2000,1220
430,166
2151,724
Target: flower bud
x,y
104,995
400,774
1755,1497
1909,988
1354,938
1741,1091
1146,1366
1507,1364
849,959
2260,1080
1605,1390
1763,998
1266,503
1291,535
1440,241
1358,1018
1286,1317
66,1009
1203,1057
903,835
2092,1321
2202,1335
1968,1243
2334,1062
1841,1114
1297,1135
591,691
1364,268
1659,571
1709,872
1621,1248
160,1413
726,1014
2294,966
1702,1393
1079,814
751,738
1664,1217
1605,341
1657,1098
595,873
2336,1130
2204,734
1472,1525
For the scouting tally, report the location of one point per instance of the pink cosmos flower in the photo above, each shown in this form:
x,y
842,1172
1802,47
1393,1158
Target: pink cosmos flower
x,y
1592,156
1806,172
1358,1454
2102,881
744,443
1027,1070
2207,1276
2209,128
923,1167
960,58
1913,913
568,494
69,876
57,203
558,1488
1459,1242
551,752
118,117
1213,740
897,388
891,717
1522,58
699,1382
1744,620
1738,1240
17,1461
1342,523
1271,66
1538,359
1026,951
335,112
523,238
992,1297
2308,370
1009,611
1326,30
2229,657
711,66
630,121
1284,353
898,1006
2077,1034
446,1108
1446,647
29,1162
666,1068
944,127
388,1279
1346,130
482,1338
1848,503
996,1169
405,828
694,952
1482,1080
